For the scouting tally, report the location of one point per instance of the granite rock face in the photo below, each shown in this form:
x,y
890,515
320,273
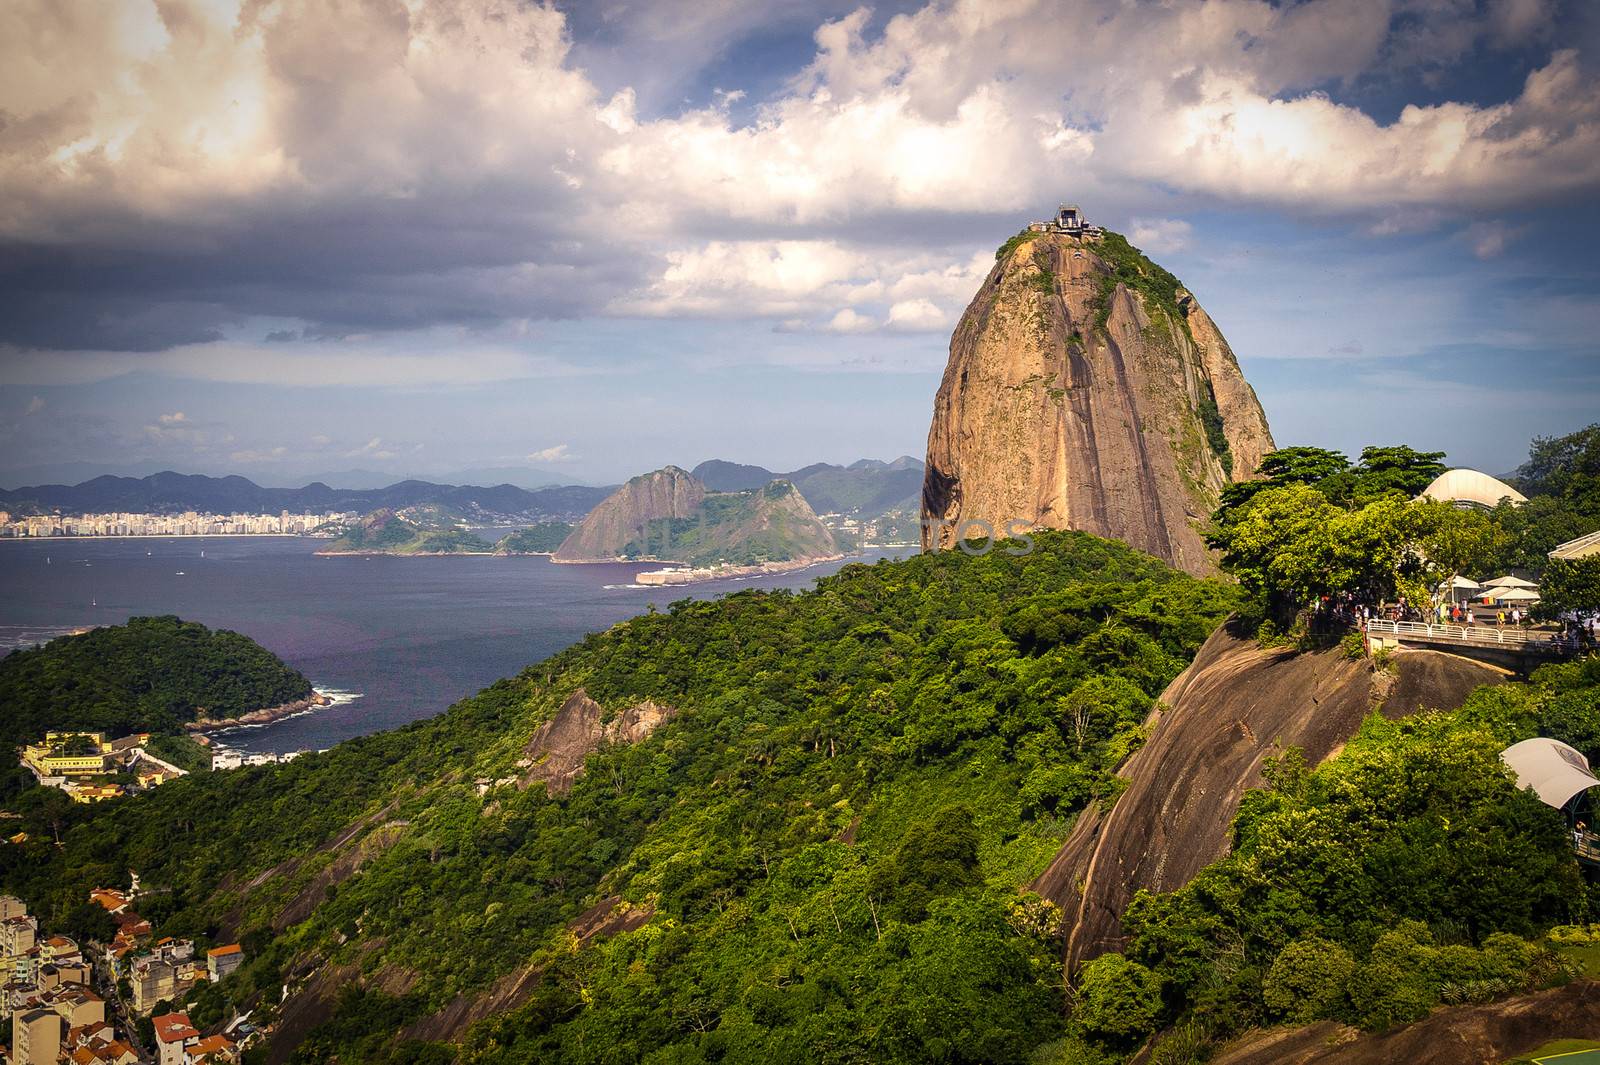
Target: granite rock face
x,y
1087,389
555,754
623,516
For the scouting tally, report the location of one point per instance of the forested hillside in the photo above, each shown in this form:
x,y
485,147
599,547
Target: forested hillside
x,y
819,853
413,531
150,675
828,837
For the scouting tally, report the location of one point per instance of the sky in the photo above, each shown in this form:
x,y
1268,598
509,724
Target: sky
x,y
287,237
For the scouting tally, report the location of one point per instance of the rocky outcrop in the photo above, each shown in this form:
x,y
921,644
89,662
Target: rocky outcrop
x,y
555,753
266,715
624,517
608,917
1459,1035
1087,390
668,516
1235,706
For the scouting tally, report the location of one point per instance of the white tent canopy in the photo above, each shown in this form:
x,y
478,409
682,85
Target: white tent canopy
x,y
1553,770
1459,581
1509,581
1514,595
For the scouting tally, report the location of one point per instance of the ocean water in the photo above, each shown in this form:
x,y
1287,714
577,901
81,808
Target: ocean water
x,y
393,639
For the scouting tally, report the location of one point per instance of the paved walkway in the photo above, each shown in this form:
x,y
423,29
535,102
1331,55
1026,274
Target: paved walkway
x,y
1489,637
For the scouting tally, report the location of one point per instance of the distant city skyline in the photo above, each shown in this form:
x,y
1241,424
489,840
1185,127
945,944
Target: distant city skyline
x,y
288,239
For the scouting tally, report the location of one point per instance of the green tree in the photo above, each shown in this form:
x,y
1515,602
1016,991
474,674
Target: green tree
x,y
1117,1000
938,855
1307,980
1566,467
1571,584
1285,466
1396,468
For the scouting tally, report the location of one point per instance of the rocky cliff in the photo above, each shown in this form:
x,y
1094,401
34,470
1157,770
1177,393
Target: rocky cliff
x,y
626,515
556,752
1235,706
1087,389
669,516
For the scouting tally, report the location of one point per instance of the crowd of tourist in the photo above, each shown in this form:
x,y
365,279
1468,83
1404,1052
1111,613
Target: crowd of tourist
x,y
1348,610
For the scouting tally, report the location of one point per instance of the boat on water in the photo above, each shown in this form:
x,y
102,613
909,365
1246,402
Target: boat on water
x,y
180,573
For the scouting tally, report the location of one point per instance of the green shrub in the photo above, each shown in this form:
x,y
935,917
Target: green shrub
x,y
1014,243
1307,980
1117,1000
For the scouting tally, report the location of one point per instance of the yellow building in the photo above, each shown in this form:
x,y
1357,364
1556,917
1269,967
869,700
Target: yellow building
x,y
69,754
87,793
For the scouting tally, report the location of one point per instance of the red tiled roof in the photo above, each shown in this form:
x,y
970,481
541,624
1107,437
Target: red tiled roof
x,y
231,948
174,1028
211,1044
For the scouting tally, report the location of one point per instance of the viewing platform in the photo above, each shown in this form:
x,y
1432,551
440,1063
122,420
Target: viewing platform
x,y
1515,648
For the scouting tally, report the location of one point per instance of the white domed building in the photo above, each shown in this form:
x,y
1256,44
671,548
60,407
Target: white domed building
x,y
1470,488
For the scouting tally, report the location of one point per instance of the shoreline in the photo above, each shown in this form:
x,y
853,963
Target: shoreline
x,y
160,536
428,554
403,554
265,716
697,575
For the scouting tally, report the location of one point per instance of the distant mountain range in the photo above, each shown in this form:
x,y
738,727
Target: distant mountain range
x,y
165,493
864,489
71,473
520,476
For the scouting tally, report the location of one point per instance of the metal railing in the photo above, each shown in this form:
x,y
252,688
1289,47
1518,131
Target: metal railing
x,y
1474,635
1587,846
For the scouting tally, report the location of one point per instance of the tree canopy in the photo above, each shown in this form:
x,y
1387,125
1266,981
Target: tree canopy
x,y
152,674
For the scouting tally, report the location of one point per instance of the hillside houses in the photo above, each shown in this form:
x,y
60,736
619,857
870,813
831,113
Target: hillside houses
x,y
178,1042
47,1002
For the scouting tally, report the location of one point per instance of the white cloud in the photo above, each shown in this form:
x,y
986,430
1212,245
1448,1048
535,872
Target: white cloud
x,y
1490,239
372,449
848,321
1160,235
916,315
558,453
253,455
177,428
445,132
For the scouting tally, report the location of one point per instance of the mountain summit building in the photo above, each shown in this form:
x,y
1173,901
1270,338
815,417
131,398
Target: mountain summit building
x,y
1069,220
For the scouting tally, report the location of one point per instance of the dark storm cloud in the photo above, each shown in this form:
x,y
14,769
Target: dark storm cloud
x,y
380,167
358,267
